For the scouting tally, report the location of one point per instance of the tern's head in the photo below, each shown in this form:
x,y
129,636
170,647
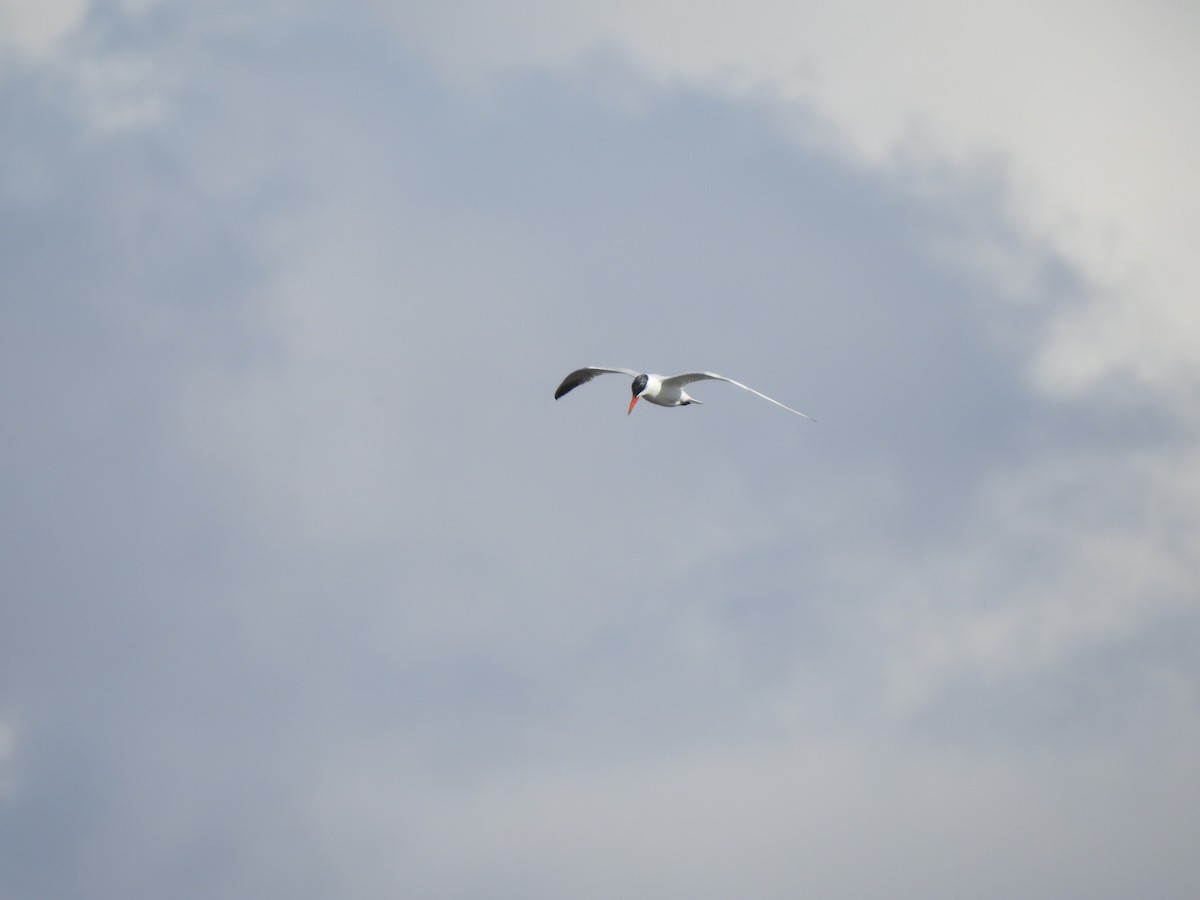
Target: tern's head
x,y
638,387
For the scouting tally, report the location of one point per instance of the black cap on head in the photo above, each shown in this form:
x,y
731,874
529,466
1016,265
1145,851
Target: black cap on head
x,y
639,384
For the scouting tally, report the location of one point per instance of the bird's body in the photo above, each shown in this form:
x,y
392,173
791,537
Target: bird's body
x,y
661,390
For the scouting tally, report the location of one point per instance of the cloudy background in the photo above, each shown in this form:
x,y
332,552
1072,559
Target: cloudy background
x,y
309,588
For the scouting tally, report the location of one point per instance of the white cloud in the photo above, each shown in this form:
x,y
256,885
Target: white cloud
x,y
1065,557
1093,105
35,29
8,744
852,814
121,91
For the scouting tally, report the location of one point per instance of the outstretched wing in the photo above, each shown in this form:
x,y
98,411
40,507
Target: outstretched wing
x,y
688,377
583,376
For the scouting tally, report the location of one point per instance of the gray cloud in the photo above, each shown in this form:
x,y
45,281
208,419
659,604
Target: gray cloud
x,y
311,588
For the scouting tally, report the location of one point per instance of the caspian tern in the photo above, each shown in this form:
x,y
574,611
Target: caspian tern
x,y
659,389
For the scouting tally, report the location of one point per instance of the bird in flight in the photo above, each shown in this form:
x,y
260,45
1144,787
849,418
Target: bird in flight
x,y
661,390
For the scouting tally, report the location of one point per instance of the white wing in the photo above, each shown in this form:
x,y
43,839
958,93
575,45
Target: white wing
x,y
688,377
584,375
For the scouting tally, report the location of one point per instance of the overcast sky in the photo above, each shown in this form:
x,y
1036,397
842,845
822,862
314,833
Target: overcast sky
x,y
309,588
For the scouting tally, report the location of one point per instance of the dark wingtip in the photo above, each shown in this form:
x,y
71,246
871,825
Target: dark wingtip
x,y
572,381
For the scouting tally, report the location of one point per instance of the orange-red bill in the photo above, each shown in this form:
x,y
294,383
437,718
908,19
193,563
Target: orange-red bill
x,y
631,403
